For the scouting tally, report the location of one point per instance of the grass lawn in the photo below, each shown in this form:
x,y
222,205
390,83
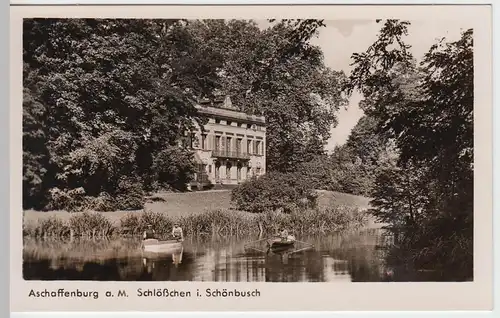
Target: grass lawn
x,y
177,204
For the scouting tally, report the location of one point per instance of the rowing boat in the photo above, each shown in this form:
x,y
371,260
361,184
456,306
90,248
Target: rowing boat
x,y
156,246
280,243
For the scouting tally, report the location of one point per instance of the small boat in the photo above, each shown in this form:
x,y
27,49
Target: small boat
x,y
156,246
281,243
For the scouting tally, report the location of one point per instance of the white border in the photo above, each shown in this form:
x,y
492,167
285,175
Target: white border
x,y
496,114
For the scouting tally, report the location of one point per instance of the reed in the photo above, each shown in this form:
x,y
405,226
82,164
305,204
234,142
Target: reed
x,y
215,223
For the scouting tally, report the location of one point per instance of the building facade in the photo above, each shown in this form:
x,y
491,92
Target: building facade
x,y
231,148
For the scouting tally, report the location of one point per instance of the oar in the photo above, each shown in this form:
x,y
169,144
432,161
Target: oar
x,y
256,241
253,248
300,250
304,242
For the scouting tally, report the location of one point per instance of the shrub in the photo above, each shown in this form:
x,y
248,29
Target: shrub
x,y
103,202
130,224
223,223
130,195
173,168
273,191
69,200
50,227
160,223
91,224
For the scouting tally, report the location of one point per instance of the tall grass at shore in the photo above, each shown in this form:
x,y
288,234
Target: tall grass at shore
x,y
220,222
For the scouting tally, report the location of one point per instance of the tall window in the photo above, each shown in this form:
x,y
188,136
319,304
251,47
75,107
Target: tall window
x,y
249,147
228,144
204,141
238,146
217,142
255,149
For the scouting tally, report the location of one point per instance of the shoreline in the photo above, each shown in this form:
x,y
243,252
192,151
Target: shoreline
x,y
202,214
214,223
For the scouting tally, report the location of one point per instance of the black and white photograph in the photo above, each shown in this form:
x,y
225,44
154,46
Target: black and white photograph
x,y
248,150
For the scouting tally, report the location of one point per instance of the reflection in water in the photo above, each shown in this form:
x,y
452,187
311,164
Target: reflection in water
x,y
333,259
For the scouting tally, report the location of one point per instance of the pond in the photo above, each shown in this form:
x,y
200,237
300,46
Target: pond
x,y
352,257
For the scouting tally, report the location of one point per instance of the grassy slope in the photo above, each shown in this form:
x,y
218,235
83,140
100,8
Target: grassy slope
x,y
176,204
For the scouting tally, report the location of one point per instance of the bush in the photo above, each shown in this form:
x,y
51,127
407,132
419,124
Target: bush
x,y
50,227
103,202
69,200
222,223
130,195
160,223
173,168
274,191
91,224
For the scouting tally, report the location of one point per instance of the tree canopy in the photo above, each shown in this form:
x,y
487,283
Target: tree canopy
x,y
107,100
426,109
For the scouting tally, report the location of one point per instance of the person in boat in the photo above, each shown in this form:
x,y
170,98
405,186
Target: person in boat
x,y
149,233
177,232
283,234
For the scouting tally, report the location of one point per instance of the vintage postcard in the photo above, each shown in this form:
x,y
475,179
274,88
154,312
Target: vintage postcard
x,y
240,158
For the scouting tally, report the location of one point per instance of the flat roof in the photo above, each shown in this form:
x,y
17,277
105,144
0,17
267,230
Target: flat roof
x,y
230,114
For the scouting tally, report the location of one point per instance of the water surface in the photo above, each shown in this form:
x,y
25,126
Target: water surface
x,y
353,257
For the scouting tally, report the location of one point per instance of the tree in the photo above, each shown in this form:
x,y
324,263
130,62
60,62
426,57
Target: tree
x,y
427,110
266,73
94,113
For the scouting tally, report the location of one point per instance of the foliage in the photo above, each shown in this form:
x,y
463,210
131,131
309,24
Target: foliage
x,y
90,224
94,113
215,223
173,167
276,73
427,111
274,191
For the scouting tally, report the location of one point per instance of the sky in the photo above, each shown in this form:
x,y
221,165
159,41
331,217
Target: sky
x,y
340,38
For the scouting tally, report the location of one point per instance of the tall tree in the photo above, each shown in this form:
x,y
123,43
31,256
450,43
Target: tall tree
x,y
427,109
275,72
95,114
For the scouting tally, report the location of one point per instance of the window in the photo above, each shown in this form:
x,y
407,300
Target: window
x,y
210,169
238,146
259,149
217,142
255,149
204,141
217,121
229,123
228,144
249,147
